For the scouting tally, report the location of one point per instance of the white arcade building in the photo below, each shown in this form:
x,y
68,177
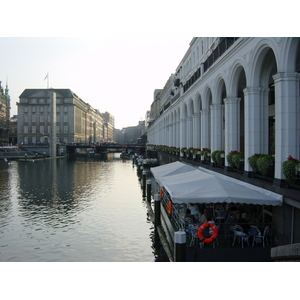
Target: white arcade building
x,y
233,94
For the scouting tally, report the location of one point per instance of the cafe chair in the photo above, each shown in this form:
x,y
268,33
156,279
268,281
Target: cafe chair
x,y
197,215
239,234
261,237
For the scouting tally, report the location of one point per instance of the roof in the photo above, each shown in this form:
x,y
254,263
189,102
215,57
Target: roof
x,y
187,184
66,93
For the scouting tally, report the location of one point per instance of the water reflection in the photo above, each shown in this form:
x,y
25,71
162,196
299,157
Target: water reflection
x,y
73,210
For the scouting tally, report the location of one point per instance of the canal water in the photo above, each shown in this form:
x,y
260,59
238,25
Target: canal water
x,y
80,210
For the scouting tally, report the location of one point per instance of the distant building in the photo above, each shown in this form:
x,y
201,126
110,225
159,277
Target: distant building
x,y
76,120
13,134
130,135
4,115
108,127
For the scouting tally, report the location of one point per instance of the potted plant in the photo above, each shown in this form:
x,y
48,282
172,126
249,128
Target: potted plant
x,y
219,157
206,153
213,156
265,165
289,169
237,158
234,158
253,161
183,150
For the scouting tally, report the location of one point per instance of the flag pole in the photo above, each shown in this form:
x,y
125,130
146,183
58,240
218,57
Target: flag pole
x,y
47,76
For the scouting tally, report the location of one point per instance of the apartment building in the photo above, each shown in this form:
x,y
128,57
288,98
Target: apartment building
x,y
76,120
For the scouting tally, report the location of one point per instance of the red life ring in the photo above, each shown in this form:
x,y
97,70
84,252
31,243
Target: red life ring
x,y
214,235
160,193
170,205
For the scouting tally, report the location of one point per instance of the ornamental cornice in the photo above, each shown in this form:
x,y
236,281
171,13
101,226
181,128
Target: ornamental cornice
x,y
252,90
232,100
216,106
286,76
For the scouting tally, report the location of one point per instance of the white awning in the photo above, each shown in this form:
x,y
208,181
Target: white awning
x,y
170,169
198,185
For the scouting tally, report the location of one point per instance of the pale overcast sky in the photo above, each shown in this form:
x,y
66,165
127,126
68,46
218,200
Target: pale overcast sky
x,y
117,74
114,54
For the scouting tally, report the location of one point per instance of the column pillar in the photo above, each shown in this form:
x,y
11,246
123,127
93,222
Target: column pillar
x,y
216,127
190,132
264,138
205,132
232,125
253,121
287,128
182,137
196,130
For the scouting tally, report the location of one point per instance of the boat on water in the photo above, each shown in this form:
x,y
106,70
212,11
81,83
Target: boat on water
x,y
183,188
124,155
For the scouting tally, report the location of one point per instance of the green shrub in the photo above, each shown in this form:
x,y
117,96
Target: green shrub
x,y
289,169
234,158
265,165
253,161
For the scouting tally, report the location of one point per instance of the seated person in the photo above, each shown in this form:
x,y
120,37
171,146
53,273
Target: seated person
x,y
193,208
205,216
189,215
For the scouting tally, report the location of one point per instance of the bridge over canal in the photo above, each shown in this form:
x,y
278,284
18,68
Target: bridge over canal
x,y
104,148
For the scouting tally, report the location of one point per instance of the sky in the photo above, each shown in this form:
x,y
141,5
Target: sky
x,y
112,54
114,74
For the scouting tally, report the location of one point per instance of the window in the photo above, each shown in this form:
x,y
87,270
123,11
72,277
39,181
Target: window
x,y
65,118
42,129
25,129
65,129
33,129
57,129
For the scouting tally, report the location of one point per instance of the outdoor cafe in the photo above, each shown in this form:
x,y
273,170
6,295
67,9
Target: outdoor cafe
x,y
213,209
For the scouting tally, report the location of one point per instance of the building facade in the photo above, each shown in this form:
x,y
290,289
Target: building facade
x,y
108,127
4,115
76,120
236,94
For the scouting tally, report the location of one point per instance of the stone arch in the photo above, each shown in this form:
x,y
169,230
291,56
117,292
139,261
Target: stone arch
x,y
198,103
238,84
207,99
217,115
206,118
220,90
290,56
264,68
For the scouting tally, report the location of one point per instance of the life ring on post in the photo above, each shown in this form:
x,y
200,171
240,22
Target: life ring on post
x,y
209,226
170,206
160,193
